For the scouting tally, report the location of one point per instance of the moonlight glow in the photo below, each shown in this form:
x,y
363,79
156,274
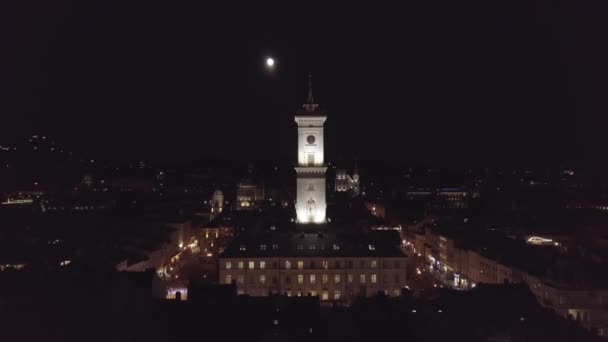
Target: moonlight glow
x,y
269,62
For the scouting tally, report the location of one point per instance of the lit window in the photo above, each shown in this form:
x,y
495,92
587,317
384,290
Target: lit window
x,y
300,264
262,247
335,247
313,279
241,265
313,293
362,278
325,277
287,264
337,295
275,247
262,265
325,295
241,279
242,248
325,264
372,247
262,279
251,265
350,278
300,279
374,279
337,279
312,247
288,293
228,279
374,264
228,265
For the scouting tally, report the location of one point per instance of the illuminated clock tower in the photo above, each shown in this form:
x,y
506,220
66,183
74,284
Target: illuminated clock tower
x,y
310,200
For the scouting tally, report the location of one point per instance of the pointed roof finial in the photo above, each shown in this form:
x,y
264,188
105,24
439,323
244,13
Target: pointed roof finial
x,y
310,104
310,99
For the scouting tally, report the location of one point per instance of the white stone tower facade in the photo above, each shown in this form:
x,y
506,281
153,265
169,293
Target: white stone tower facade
x,y
310,201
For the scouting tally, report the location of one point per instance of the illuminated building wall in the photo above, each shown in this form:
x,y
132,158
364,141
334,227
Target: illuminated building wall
x,y
341,183
345,182
332,279
217,204
249,194
310,201
586,306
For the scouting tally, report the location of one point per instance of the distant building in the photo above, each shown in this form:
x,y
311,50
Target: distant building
x,y
451,198
563,286
341,183
249,195
344,182
217,204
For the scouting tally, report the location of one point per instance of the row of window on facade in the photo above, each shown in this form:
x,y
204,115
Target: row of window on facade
x,y
325,295
324,264
312,279
300,247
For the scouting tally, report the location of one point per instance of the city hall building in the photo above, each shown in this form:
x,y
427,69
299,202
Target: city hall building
x,y
317,258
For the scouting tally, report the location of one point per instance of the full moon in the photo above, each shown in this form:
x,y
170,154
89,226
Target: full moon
x,y
269,62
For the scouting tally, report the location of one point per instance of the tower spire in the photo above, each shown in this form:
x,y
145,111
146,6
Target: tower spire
x,y
310,104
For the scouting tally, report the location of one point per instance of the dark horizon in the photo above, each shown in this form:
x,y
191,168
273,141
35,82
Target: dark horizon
x,y
432,83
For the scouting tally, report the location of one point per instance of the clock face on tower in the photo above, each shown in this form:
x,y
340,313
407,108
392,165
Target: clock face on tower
x,y
310,139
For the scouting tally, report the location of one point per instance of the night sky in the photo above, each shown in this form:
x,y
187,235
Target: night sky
x,y
432,81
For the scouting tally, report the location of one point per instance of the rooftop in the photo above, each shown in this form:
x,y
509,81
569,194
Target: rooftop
x,y
312,244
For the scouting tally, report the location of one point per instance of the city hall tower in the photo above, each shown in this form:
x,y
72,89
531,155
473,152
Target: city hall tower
x,y
310,201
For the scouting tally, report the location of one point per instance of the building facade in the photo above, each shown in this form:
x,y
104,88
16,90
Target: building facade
x,y
313,264
310,200
344,182
249,194
217,204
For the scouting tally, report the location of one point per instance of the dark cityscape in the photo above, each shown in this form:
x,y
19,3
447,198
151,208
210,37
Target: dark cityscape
x,y
303,171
